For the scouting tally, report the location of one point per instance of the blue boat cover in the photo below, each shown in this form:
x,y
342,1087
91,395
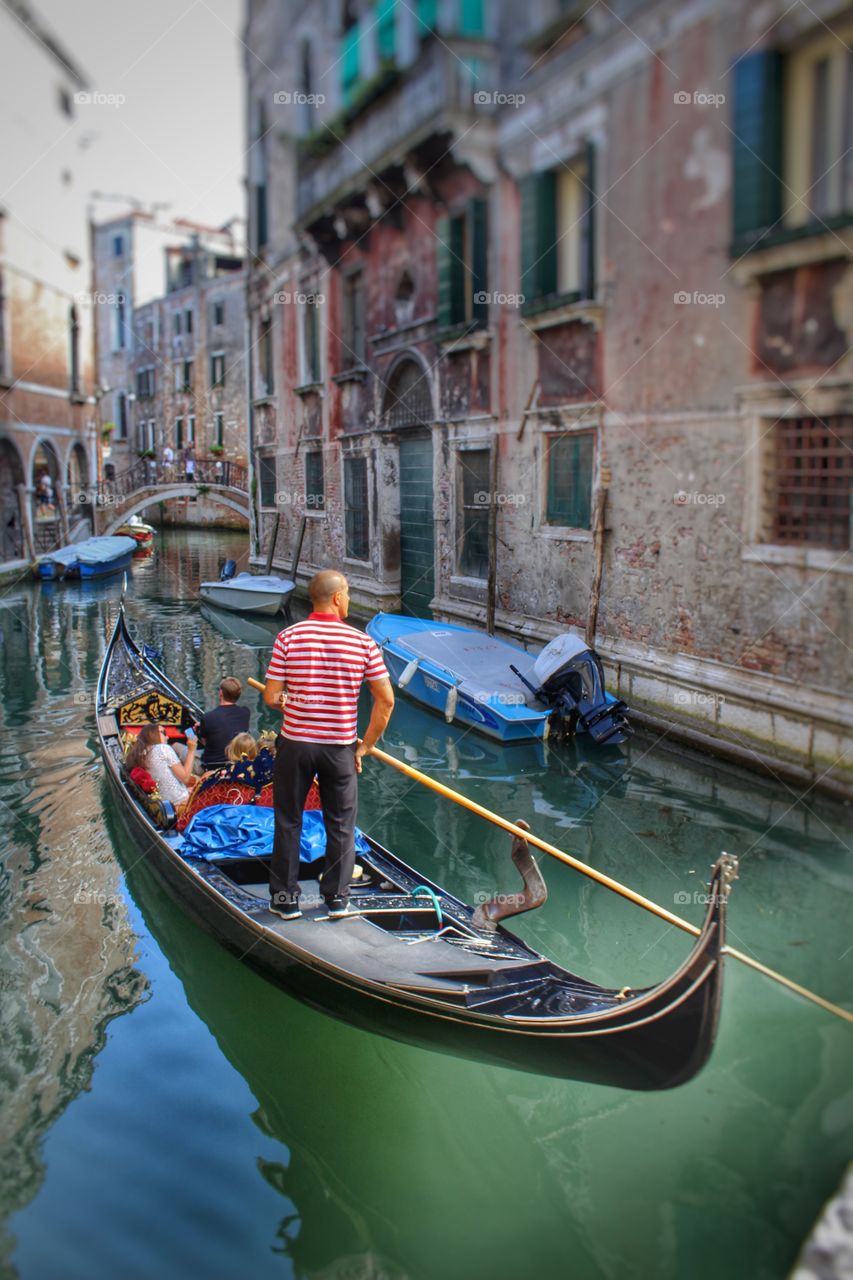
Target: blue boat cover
x,y
92,551
243,831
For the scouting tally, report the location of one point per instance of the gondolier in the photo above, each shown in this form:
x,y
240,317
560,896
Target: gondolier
x,y
314,676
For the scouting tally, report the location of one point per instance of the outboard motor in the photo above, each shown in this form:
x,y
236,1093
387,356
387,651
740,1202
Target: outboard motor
x,y
570,679
228,570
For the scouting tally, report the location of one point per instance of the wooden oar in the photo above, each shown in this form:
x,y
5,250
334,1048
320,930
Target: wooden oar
x,y
440,789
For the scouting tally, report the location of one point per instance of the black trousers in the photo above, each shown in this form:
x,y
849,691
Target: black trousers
x,y
296,763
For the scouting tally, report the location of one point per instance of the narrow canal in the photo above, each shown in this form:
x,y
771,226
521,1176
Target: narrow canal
x,y
168,1113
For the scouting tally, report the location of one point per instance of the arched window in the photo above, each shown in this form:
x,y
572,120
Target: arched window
x,y
408,400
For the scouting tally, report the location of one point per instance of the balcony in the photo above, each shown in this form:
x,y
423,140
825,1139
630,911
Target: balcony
x,y
405,119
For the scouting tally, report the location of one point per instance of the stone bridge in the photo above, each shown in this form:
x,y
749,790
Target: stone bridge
x,y
148,481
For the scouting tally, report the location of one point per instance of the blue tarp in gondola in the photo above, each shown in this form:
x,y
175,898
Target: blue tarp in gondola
x,y
244,831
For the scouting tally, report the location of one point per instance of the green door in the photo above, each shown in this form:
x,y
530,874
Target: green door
x,y
417,567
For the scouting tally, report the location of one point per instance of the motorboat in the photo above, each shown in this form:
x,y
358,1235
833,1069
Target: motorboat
x,y
247,592
497,687
91,558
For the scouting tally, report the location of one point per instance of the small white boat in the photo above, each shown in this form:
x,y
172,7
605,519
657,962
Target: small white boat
x,y
247,592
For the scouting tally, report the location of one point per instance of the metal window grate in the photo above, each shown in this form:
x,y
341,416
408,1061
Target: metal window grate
x,y
356,509
813,480
408,402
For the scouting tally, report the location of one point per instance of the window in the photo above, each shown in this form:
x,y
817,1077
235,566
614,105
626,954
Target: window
x,y
384,19
557,232
315,499
265,358
188,320
310,315
306,85
179,433
119,321
353,349
267,480
118,246
179,322
427,16
219,429
569,462
357,514
74,352
218,314
217,369
191,429
471,17
121,416
145,383
792,138
258,178
812,482
179,375
462,249
473,483
151,438
186,375
350,62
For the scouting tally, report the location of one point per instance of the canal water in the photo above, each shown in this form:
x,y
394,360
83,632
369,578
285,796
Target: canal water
x,y
167,1113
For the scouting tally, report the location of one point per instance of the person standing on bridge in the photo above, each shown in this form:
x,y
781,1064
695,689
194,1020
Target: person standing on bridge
x,y
314,677
168,460
189,464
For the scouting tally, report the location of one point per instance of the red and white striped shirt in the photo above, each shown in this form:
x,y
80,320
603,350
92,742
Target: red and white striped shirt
x,y
323,662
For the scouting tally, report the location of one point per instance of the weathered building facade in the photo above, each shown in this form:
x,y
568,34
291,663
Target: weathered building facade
x,y
170,334
543,296
47,436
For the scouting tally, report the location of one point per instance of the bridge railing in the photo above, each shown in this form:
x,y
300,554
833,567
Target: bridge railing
x,y
151,473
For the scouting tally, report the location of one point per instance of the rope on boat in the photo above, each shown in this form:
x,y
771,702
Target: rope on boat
x,y
595,874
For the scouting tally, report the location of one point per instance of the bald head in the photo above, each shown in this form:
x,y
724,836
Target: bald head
x,y
324,585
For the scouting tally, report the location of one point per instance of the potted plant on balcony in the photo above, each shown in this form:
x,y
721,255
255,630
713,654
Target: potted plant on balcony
x,y
217,450
106,431
146,453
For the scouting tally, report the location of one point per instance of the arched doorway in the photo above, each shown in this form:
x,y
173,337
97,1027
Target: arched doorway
x,y
79,500
11,475
45,485
408,409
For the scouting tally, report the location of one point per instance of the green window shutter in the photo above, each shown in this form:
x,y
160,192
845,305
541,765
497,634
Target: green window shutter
x,y
471,18
570,461
442,235
385,20
757,143
588,227
478,277
546,231
350,46
539,234
427,16
529,238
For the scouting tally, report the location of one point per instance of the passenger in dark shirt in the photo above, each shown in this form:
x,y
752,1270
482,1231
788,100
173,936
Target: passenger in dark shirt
x,y
217,728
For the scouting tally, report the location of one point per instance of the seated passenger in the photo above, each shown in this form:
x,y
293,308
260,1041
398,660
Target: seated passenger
x,y
246,779
151,751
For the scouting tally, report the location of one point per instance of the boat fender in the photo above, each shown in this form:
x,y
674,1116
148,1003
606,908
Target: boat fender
x,y
450,705
408,672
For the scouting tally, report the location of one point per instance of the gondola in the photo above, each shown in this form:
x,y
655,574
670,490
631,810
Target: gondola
x,y
413,961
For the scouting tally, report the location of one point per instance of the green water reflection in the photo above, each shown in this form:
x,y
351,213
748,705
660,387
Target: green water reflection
x,y
221,1128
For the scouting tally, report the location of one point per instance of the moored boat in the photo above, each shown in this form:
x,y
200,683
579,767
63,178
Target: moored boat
x,y
499,688
247,592
91,558
142,533
412,960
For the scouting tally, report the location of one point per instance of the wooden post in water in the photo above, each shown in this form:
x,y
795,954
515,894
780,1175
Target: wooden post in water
x,y
273,541
297,550
598,562
491,585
